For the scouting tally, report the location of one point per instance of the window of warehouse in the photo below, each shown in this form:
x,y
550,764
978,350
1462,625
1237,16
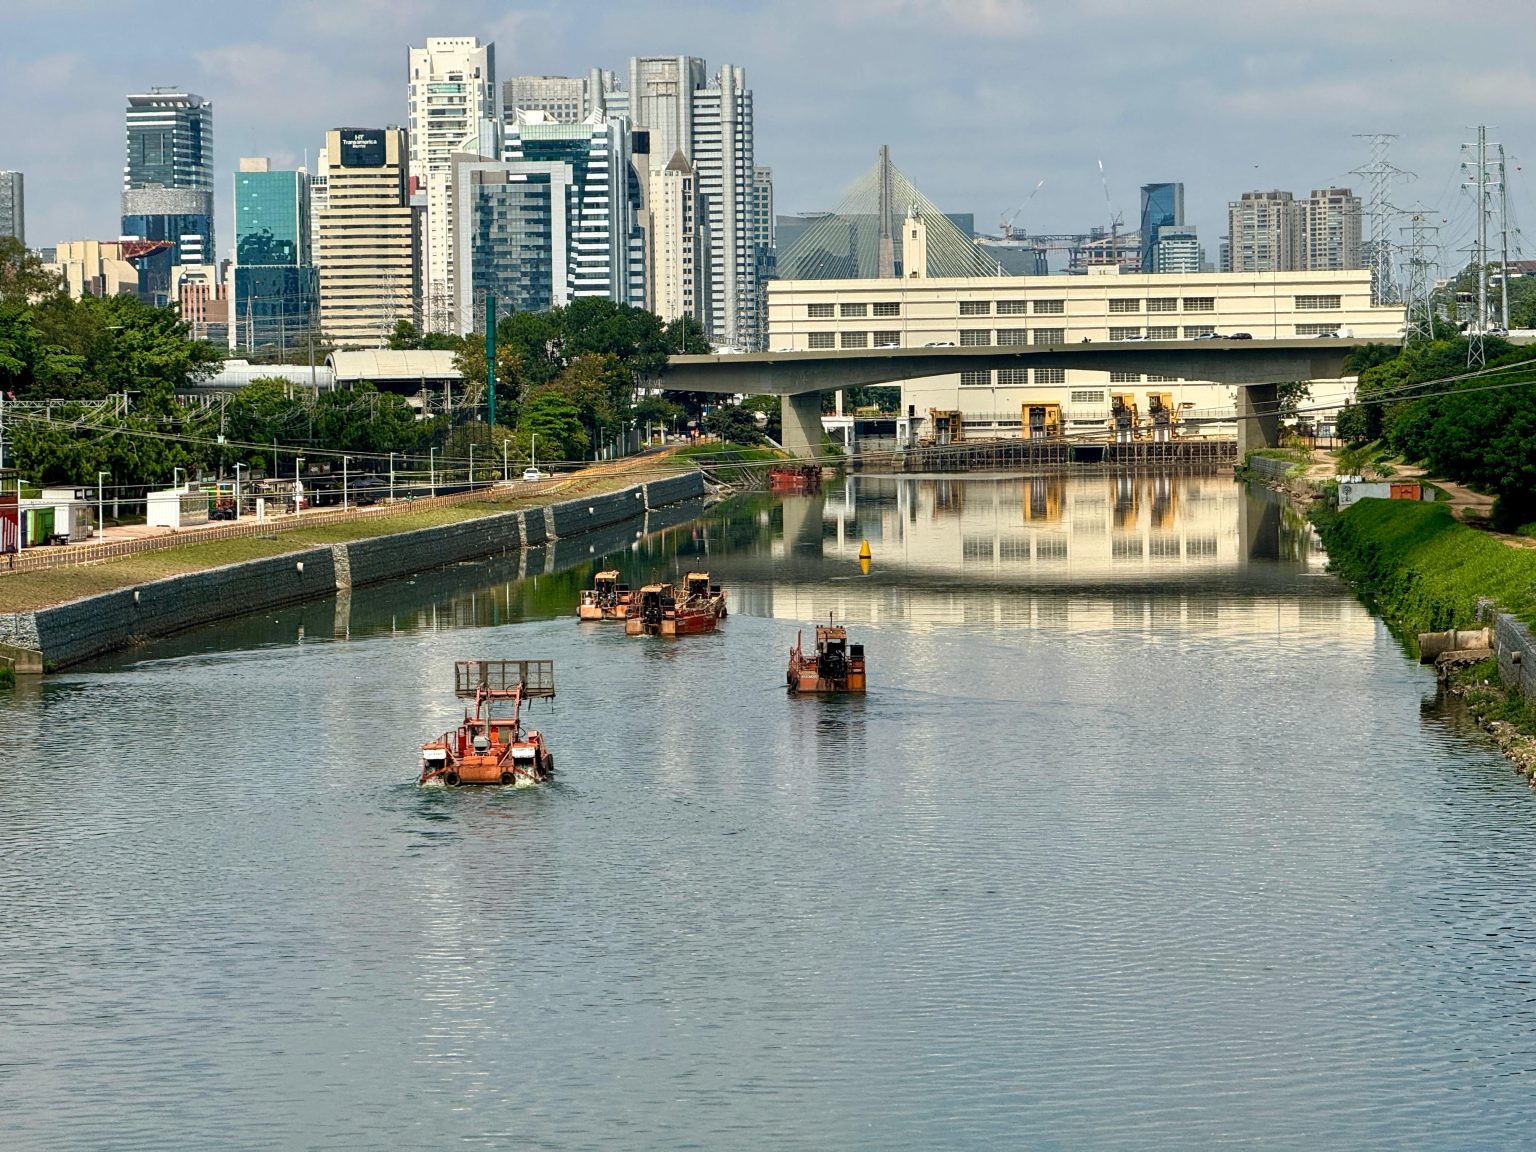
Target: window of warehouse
x,y
819,311
1124,333
822,340
1012,307
855,311
1050,307
1316,303
1125,377
1125,305
855,339
1012,337
1316,329
1013,376
975,307
1154,379
1095,396
1050,375
982,378
1050,335
884,338
1193,330
1171,332
1163,304
975,337
1199,303
887,308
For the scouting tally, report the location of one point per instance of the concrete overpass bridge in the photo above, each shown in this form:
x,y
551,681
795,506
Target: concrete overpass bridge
x,y
1254,367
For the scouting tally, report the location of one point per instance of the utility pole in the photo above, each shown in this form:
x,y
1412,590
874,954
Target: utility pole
x,y
1503,243
490,360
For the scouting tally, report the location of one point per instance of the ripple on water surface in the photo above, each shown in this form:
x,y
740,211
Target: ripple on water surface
x,y
1160,883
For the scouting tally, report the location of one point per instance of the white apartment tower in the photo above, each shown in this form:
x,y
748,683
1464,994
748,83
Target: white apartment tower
x,y
710,121
1330,226
679,267
454,105
1264,232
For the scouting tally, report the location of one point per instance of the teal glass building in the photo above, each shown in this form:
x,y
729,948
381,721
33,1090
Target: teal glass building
x,y
276,298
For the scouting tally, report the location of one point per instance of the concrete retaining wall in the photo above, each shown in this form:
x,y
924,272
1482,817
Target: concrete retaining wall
x,y
84,628
1270,469
574,517
1515,648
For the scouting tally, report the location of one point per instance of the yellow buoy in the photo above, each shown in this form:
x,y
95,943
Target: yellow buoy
x,y
864,567
864,552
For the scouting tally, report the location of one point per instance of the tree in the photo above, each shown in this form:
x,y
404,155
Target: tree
x,y
557,423
734,424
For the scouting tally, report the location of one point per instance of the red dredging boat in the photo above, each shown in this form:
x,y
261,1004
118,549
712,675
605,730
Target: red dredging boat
x,y
491,746
607,599
835,666
657,610
794,478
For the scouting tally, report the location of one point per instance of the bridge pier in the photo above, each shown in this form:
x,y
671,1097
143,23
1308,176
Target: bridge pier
x,y
801,414
1258,418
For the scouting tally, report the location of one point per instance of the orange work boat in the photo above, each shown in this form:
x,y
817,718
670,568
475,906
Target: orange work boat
x,y
607,599
491,746
836,665
794,478
658,610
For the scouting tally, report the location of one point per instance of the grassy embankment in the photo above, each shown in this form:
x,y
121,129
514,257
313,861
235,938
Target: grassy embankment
x,y
1424,570
29,591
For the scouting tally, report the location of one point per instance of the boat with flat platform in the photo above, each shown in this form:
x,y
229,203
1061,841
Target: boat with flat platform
x,y
835,665
607,599
660,610
491,746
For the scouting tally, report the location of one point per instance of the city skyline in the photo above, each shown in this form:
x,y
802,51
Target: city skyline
x,y
1227,105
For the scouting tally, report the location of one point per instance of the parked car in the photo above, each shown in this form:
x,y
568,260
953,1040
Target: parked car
x,y
1210,336
1240,336
939,344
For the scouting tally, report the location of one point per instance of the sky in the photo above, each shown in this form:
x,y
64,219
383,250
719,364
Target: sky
x,y
979,100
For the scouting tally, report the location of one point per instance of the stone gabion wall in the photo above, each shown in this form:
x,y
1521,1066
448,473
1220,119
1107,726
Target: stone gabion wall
x,y
84,628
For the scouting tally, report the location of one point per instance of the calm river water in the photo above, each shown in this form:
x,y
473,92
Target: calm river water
x,y
1147,835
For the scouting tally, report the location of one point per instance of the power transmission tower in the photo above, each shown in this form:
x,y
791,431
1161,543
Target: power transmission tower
x,y
1378,249
1503,243
1423,244
1480,184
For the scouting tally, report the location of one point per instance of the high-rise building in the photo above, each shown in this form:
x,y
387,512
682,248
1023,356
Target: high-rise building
x,y
710,121
553,220
367,248
679,248
1177,250
13,214
168,185
275,301
1162,206
1264,232
1330,226
568,99
455,107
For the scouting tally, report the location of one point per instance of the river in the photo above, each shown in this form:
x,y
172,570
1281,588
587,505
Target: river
x,y
1147,835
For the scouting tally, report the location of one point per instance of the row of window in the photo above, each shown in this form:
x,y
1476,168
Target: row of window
x,y
1015,377
859,310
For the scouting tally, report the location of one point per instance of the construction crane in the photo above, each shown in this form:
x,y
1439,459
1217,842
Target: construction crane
x,y
1007,221
1115,220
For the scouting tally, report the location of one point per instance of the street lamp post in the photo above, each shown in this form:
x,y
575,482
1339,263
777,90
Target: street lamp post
x,y
432,469
391,477
298,485
345,460
471,467
504,460
238,467
101,506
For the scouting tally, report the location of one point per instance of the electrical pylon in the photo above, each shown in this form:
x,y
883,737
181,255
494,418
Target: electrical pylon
x,y
1423,246
1378,249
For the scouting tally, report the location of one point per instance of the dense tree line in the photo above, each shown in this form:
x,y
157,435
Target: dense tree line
x,y
1422,404
108,370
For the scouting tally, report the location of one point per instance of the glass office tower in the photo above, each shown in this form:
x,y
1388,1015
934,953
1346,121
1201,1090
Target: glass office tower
x,y
1162,206
276,290
168,185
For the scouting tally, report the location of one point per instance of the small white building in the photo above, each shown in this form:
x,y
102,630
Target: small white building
x,y
176,508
